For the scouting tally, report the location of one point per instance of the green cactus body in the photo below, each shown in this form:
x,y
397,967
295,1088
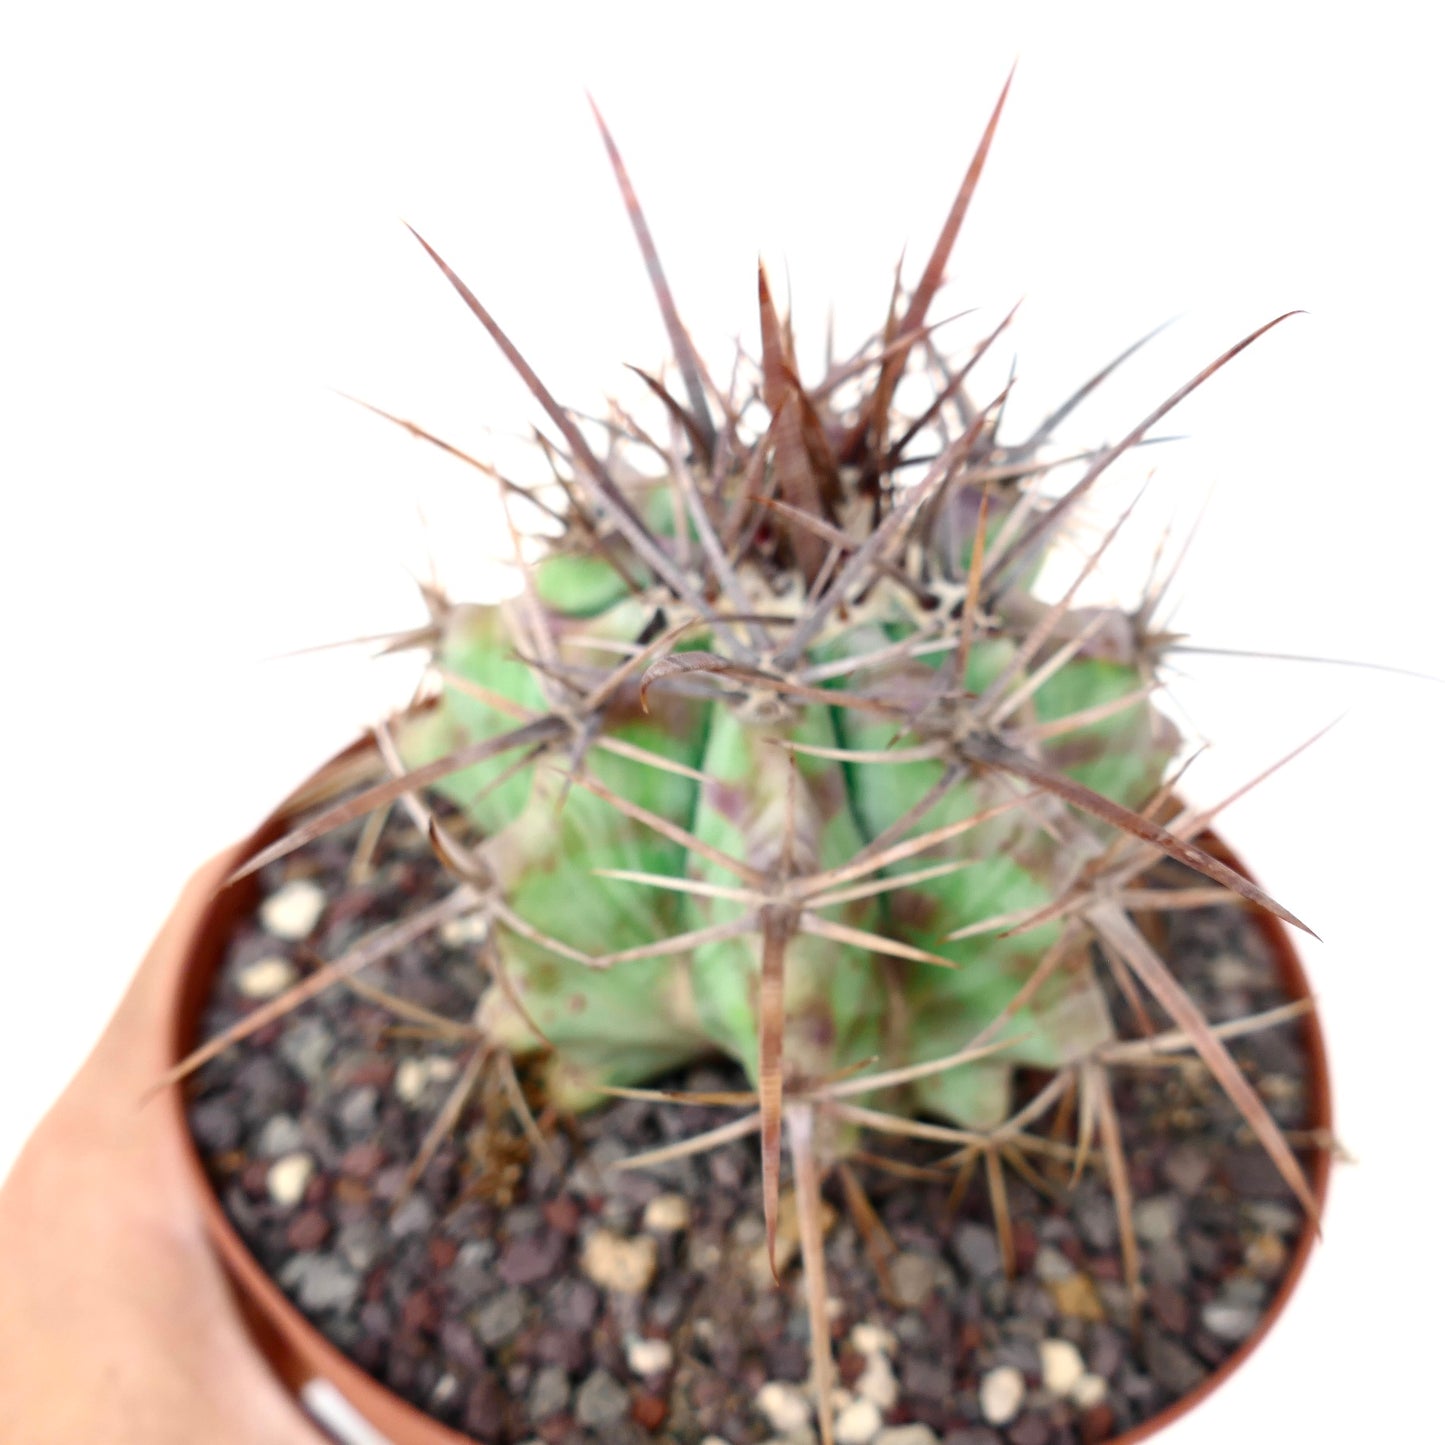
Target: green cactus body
x,y
778,812
614,1025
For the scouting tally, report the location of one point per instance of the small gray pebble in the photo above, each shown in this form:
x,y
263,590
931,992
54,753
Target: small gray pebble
x,y
976,1248
1168,1264
306,1046
1022,1354
476,1253
549,1393
266,1085
914,1276
413,1217
1186,1167
1098,1223
500,1318
358,1110
216,1124
322,1281
601,1401
1272,1218
1245,1289
280,1134
1157,1218
1051,1265
359,1243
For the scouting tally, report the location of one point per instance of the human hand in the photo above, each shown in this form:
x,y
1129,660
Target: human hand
x,y
117,1326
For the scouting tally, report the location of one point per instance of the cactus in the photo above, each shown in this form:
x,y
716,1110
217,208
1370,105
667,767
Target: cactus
x,y
778,754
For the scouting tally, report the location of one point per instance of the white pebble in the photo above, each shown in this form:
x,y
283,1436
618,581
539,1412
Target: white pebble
x,y
907,1435
1063,1366
1228,1320
1089,1390
266,978
878,1382
649,1357
785,1406
287,1178
857,1423
469,928
293,910
873,1340
1000,1394
614,1262
413,1076
667,1214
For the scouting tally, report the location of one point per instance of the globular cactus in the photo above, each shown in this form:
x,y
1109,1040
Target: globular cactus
x,y
777,754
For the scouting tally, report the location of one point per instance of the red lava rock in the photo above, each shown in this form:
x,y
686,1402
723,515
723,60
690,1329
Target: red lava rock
x,y
351,1192
350,905
486,1412
1170,1308
363,1160
420,1311
850,1365
1142,1178
649,1411
253,1176
555,1430
567,1348
930,1379
933,1413
532,1258
563,1214
309,1230
377,1072
1026,1246
1096,1425
375,1288
1250,1173
317,1190
1031,1430
575,1305
970,1337
709,1393
1104,1266
442,1251
463,1353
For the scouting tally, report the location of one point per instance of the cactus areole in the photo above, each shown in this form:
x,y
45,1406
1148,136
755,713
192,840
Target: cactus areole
x,y
778,754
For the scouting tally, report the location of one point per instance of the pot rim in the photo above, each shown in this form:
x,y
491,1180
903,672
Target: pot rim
x,y
300,1353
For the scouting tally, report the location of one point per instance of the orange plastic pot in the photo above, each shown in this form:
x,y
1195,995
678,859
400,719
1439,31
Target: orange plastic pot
x,y
301,1354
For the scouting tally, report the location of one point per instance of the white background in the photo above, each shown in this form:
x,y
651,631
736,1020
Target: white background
x,y
201,238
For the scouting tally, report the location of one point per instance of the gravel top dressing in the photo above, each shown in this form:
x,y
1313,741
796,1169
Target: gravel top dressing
x,y
521,1299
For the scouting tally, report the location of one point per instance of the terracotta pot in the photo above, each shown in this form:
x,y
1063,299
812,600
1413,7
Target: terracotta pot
x,y
301,1355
